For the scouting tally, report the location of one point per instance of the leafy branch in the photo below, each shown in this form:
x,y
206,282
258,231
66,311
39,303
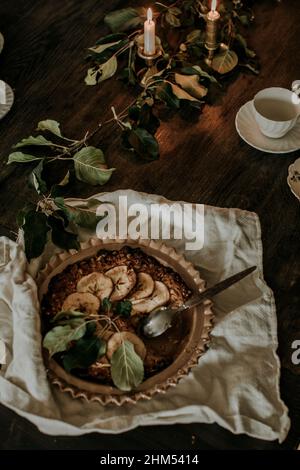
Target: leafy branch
x,y
88,161
52,218
78,341
181,77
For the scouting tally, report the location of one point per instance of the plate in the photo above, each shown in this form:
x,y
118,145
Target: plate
x,y
294,178
1,42
248,130
198,323
4,108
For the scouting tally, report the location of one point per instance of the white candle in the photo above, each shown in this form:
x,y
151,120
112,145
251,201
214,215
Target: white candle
x,y
149,34
213,14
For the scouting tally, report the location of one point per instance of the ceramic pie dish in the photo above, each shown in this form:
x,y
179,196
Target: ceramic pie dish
x,y
192,334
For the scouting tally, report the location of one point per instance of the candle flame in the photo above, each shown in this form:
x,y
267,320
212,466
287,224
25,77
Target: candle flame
x,y
149,14
214,5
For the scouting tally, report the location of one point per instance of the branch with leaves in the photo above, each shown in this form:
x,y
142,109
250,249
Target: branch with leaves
x,y
53,218
181,77
88,162
78,340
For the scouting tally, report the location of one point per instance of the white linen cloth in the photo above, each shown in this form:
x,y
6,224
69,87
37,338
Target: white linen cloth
x,y
235,384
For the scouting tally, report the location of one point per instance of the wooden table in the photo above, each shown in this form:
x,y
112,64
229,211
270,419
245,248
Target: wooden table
x,y
45,44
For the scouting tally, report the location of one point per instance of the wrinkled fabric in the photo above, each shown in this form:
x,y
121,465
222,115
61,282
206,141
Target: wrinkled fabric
x,y
235,384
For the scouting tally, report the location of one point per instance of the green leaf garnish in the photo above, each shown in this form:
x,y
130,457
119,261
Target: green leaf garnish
x,y
84,353
106,305
58,339
123,308
66,315
127,368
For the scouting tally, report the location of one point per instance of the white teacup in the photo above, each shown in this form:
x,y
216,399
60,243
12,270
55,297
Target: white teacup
x,y
276,110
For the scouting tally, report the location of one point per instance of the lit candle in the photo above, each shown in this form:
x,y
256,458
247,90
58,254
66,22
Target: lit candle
x,y
149,34
213,14
212,19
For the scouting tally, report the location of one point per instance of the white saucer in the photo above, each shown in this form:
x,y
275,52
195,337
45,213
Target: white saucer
x,y
294,178
1,42
248,130
4,108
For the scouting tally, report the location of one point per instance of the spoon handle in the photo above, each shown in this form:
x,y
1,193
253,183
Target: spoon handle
x,y
216,289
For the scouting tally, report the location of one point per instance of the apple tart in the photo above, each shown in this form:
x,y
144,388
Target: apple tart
x,y
92,313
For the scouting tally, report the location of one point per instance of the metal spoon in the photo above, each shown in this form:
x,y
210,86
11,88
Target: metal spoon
x,y
161,319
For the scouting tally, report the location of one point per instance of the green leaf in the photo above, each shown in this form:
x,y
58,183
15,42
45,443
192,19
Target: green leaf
x,y
35,231
242,41
196,69
66,315
103,52
193,36
90,166
244,20
65,180
143,117
175,11
190,83
84,353
73,322
36,180
224,62
51,126
144,143
29,207
164,93
127,368
61,237
83,217
124,19
172,19
102,72
149,75
106,305
58,189
19,157
182,94
102,47
59,338
91,327
38,140
117,37
123,308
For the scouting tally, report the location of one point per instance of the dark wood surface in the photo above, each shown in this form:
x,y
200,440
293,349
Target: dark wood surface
x,y
45,43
